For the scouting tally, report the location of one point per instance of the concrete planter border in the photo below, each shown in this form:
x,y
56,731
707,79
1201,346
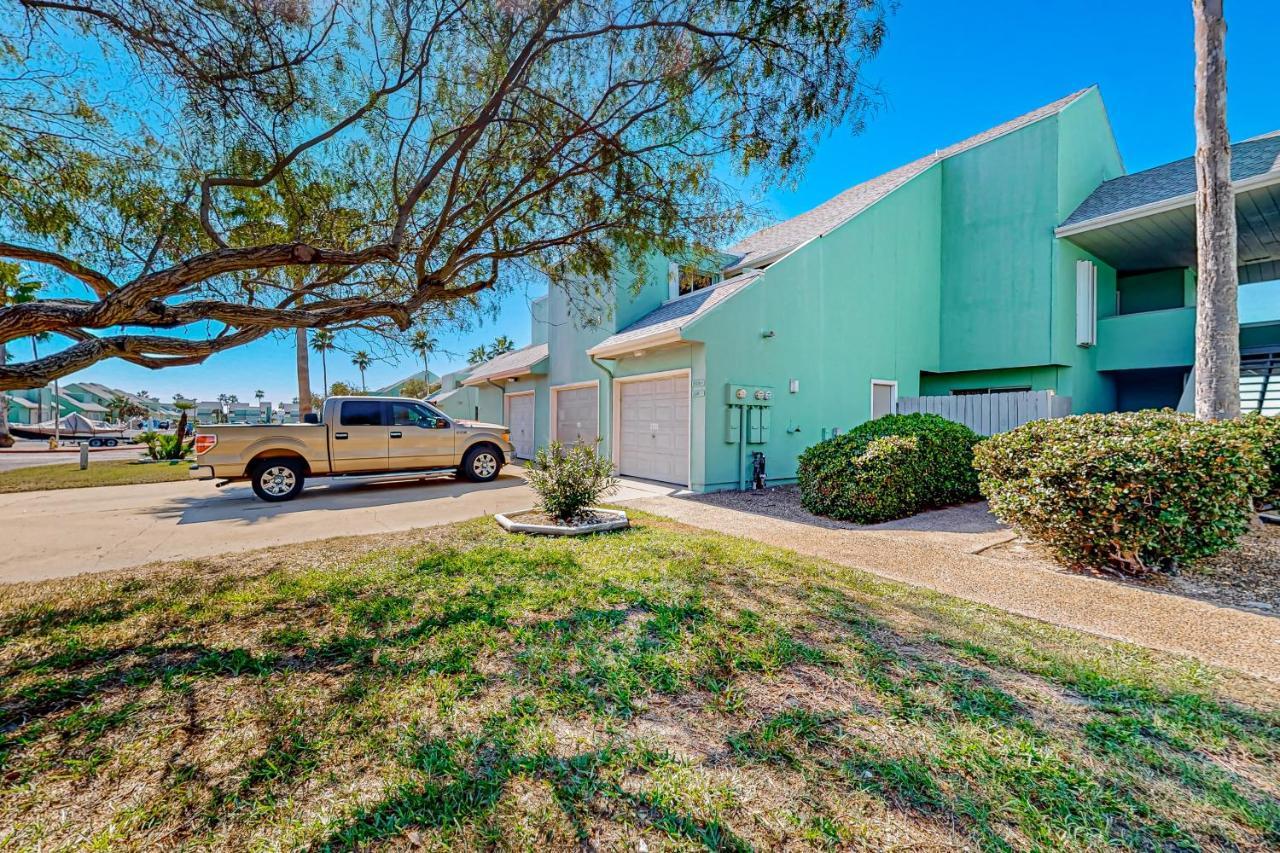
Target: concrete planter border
x,y
617,520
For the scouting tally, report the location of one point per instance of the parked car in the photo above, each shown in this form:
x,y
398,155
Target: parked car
x,y
352,437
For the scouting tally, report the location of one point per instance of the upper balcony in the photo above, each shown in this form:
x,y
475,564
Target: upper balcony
x,y
1148,339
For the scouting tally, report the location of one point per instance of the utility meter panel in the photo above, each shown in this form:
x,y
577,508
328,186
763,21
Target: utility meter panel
x,y
748,395
750,404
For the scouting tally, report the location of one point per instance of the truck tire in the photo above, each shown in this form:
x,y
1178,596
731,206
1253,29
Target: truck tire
x,y
481,464
276,480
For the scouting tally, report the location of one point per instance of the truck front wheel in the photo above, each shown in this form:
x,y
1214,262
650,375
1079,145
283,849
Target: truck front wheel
x,y
277,479
481,464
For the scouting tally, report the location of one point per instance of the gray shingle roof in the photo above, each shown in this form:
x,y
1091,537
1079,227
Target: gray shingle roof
x,y
1249,159
677,314
514,363
826,217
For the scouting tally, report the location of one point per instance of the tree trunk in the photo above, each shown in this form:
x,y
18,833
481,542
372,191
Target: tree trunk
x,y
324,370
304,374
6,440
1217,314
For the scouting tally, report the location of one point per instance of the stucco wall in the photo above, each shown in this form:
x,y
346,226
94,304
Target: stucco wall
x,y
858,304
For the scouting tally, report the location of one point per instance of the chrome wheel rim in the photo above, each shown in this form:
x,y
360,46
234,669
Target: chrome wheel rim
x,y
484,465
278,480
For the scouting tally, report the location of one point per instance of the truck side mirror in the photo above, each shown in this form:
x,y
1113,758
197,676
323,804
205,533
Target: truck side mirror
x,y
311,418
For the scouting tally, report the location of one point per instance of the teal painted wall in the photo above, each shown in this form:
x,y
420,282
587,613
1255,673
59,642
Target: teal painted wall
x,y
1154,291
1152,339
859,304
999,207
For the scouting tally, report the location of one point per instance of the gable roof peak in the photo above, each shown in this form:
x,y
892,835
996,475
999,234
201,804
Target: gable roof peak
x,y
768,243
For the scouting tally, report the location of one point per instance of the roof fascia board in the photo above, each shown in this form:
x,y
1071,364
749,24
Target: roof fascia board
x,y
1161,206
667,336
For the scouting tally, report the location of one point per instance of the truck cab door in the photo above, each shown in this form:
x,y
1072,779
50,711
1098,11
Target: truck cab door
x,y
359,437
419,438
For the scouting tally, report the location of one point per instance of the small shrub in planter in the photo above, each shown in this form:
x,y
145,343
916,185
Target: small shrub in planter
x,y
889,468
1129,492
568,480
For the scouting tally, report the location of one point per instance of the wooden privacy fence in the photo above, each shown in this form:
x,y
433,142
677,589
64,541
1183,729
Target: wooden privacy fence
x,y
988,414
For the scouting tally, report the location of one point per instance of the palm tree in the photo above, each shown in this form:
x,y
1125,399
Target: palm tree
x,y
1217,368
477,355
362,361
501,346
423,344
322,342
259,394
304,371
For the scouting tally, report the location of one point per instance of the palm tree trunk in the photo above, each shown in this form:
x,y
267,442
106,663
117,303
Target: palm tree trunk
x,y
304,373
1217,368
324,370
426,372
6,440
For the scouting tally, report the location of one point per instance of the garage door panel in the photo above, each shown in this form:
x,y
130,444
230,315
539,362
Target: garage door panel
x,y
654,429
520,423
578,415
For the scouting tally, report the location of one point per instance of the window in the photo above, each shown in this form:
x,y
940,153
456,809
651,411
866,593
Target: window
x,y
410,414
683,279
1003,389
362,413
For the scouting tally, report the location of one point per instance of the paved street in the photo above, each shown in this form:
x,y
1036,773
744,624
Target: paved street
x,y
69,531
25,454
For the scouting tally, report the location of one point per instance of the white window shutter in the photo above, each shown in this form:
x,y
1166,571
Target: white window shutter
x,y
673,279
1086,304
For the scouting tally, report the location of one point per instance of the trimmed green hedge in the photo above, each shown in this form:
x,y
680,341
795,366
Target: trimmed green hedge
x,y
890,468
1130,492
1265,432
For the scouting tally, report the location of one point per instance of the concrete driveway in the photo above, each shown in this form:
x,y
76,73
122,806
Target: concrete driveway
x,y
70,531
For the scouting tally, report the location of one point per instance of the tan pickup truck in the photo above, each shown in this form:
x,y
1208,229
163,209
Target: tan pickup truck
x,y
353,437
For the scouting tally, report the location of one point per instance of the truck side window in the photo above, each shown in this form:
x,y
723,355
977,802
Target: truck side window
x,y
407,414
362,413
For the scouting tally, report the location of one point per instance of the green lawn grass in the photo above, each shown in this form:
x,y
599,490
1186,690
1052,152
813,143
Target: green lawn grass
x,y
463,688
114,472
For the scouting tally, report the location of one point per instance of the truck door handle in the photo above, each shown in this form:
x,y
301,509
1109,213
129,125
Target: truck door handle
x,y
395,434
340,436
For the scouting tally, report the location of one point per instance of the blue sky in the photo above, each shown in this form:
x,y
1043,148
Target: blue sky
x,y
948,70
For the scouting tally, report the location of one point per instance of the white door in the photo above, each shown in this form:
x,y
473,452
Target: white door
x,y
520,422
577,415
654,429
883,396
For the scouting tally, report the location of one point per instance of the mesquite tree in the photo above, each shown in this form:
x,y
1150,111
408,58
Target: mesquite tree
x,y
187,176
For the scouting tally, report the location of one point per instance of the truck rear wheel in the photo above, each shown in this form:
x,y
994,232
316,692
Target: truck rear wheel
x,y
277,480
481,464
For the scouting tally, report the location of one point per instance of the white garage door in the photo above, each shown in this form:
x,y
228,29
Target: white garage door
x,y
577,415
654,429
520,422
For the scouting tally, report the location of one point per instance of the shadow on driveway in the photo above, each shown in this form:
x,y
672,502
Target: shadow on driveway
x,y
237,502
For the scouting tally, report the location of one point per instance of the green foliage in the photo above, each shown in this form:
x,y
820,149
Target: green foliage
x,y
570,479
1264,431
1124,491
413,388
889,468
163,445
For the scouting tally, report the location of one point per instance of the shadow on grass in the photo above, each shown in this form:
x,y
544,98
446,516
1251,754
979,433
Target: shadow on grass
x,y
973,747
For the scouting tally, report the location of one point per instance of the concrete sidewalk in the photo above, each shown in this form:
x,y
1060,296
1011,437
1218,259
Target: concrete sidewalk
x,y
69,531
1243,641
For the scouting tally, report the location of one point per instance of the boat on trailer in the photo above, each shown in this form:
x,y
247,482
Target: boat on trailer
x,y
74,428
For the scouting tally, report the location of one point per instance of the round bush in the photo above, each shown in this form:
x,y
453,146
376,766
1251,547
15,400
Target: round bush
x,y
1130,492
889,468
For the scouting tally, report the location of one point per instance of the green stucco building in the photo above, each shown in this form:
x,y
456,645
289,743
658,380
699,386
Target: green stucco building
x,y
1021,259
